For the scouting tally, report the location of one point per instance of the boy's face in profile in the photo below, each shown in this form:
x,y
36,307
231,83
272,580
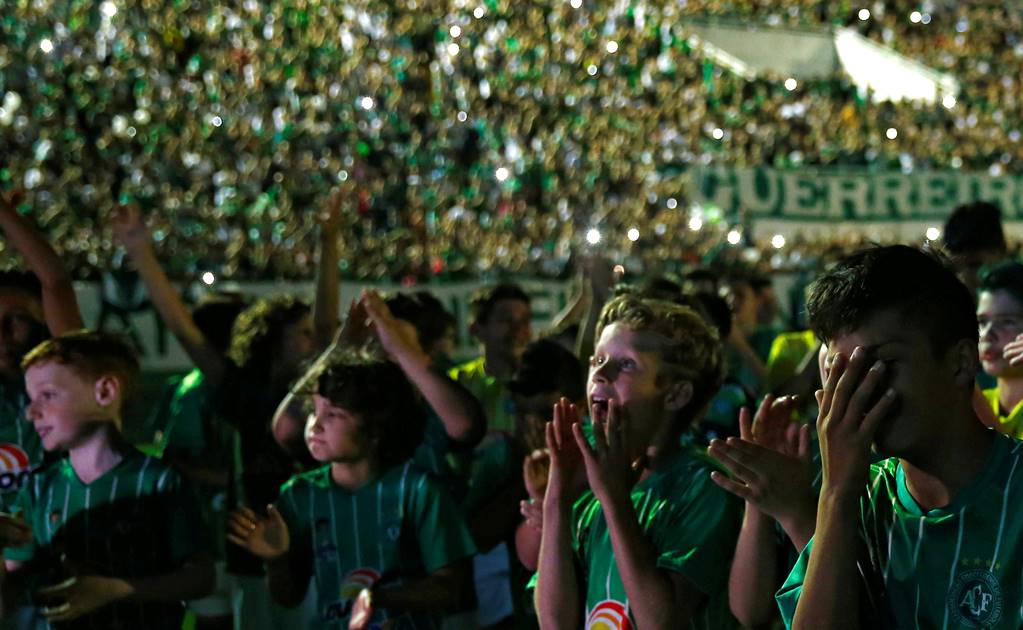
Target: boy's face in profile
x,y
926,386
335,434
65,407
625,367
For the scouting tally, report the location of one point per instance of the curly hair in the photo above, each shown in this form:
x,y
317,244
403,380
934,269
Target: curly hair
x,y
257,332
377,391
692,351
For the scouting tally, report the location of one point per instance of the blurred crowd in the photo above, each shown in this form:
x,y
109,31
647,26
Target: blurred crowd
x,y
470,138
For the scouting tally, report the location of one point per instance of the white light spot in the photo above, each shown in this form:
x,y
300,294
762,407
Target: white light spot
x,y
618,270
593,236
892,133
46,46
933,233
612,47
592,70
479,12
633,234
696,224
453,49
366,102
208,278
108,9
777,241
501,174
216,121
949,101
672,203
734,236
790,84
462,116
455,31
718,133
915,17
864,15
576,3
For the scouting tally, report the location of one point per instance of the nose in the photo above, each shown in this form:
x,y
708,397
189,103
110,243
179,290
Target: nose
x,y
603,373
987,330
32,412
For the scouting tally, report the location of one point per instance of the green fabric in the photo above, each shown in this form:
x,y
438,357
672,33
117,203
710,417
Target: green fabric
x,y
495,398
449,463
137,520
494,466
21,450
397,528
960,566
693,525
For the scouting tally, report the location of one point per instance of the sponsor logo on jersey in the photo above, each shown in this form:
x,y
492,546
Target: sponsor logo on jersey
x,y
608,615
15,468
975,599
351,586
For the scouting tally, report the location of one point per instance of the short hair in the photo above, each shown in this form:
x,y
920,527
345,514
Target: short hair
x,y
920,285
974,227
215,314
547,367
21,281
1005,276
378,391
717,311
258,331
692,352
91,354
484,301
425,312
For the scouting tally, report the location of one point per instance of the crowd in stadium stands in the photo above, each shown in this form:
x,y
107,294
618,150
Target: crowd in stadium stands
x,y
469,138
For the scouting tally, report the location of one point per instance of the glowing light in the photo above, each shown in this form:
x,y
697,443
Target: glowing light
x,y
108,9
933,233
576,3
366,102
462,116
501,174
718,133
612,47
734,236
672,203
864,15
46,46
208,278
949,101
455,30
591,70
593,236
216,121
618,270
633,234
892,133
790,84
453,49
915,17
777,241
479,12
696,224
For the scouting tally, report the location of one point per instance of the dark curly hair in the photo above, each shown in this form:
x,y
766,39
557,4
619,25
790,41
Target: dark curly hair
x,y
377,391
257,332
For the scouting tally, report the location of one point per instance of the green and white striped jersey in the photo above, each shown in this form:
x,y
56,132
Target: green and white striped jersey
x,y
395,529
691,522
21,450
137,520
960,566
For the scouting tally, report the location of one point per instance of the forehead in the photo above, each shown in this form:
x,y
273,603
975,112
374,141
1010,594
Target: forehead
x,y
885,328
998,302
619,337
50,371
12,299
510,307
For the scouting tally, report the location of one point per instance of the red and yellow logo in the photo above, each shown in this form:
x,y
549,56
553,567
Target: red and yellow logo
x,y
15,467
608,615
357,580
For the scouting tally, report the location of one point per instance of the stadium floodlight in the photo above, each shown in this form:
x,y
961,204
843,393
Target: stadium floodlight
x,y
593,236
455,30
891,133
612,47
46,45
933,233
778,241
915,17
633,234
864,15
734,236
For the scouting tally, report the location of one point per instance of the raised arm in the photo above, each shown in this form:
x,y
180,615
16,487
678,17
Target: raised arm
x,y
326,307
131,233
459,411
60,306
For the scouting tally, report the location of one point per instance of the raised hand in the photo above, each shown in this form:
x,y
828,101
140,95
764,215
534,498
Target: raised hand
x,y
536,468
567,473
532,512
610,469
355,330
329,216
1013,351
362,611
129,229
263,536
80,595
398,337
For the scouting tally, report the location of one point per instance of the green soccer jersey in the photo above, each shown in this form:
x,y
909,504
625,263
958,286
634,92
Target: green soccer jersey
x,y
137,520
21,451
691,522
395,529
960,566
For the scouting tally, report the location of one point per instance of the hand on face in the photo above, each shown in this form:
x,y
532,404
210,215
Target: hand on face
x,y
848,419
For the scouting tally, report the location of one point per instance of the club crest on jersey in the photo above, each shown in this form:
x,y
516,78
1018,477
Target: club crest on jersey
x,y
608,615
15,467
975,599
351,586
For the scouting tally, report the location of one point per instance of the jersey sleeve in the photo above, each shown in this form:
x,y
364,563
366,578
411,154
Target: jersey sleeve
x,y
696,537
441,531
189,536
25,505
788,595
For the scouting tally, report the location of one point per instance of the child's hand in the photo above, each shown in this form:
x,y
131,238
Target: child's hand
x,y
568,474
532,512
398,337
609,467
80,596
1013,351
362,611
14,531
263,536
129,229
535,469
329,217
354,332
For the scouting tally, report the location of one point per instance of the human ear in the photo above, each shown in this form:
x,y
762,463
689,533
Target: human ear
x,y
678,395
107,390
964,362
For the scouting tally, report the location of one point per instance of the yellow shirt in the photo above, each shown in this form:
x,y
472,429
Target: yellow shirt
x,y
493,395
1011,423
